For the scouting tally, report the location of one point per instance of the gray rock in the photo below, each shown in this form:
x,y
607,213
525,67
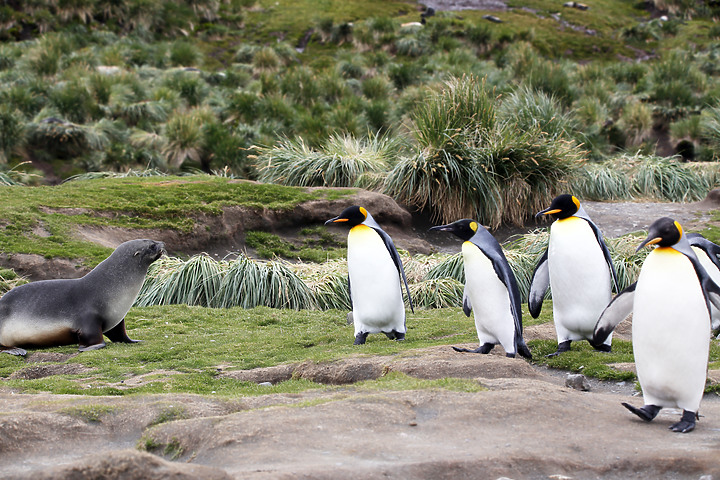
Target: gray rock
x,y
578,382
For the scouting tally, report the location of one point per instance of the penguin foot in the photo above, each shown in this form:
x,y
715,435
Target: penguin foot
x,y
686,423
395,335
510,355
562,347
360,338
524,351
603,347
484,348
647,413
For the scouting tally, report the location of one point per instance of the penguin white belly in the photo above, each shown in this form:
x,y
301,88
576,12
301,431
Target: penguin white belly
x,y
670,331
489,299
714,274
579,279
374,284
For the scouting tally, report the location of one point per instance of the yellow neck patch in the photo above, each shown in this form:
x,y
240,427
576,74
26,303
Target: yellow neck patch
x,y
364,212
576,202
679,227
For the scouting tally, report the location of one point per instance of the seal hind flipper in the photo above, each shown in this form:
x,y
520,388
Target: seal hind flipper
x,y
13,351
119,334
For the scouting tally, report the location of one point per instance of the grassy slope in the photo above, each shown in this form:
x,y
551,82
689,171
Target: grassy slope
x,y
191,342
157,202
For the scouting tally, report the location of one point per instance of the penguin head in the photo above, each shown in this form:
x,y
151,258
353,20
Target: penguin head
x,y
664,232
562,206
351,216
464,229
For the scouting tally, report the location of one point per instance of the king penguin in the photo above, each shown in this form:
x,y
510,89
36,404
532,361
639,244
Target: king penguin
x,y
670,303
376,273
707,252
579,272
491,290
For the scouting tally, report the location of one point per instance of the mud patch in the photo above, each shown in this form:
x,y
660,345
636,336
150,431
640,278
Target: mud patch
x,y
42,371
144,379
40,357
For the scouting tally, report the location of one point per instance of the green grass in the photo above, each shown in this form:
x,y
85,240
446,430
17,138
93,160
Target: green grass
x,y
582,358
183,348
89,413
712,230
131,202
191,342
317,247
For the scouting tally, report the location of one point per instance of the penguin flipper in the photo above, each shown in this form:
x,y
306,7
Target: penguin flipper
x,y
606,253
711,249
711,290
539,286
467,306
617,310
350,293
396,258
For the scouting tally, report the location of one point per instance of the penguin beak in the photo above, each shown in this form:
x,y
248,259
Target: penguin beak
x,y
547,211
441,228
337,219
647,242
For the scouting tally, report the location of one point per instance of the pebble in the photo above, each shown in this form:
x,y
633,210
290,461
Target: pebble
x,y
577,381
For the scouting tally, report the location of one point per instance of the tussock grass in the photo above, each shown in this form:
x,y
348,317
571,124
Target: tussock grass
x,y
645,176
343,161
471,161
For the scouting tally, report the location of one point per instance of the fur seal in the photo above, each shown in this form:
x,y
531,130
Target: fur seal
x,y
51,313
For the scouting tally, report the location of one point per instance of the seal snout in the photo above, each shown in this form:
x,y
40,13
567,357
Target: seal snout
x,y
158,248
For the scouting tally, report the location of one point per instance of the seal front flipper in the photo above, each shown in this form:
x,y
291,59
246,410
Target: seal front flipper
x,y
539,286
618,310
91,336
119,334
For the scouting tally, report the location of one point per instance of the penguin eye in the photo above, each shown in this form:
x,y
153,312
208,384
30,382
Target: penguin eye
x,y
473,226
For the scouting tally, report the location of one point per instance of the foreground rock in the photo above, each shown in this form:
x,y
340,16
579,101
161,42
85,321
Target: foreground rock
x,y
525,423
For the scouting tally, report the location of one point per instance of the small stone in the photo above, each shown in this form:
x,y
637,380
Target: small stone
x,y
350,320
265,384
578,382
